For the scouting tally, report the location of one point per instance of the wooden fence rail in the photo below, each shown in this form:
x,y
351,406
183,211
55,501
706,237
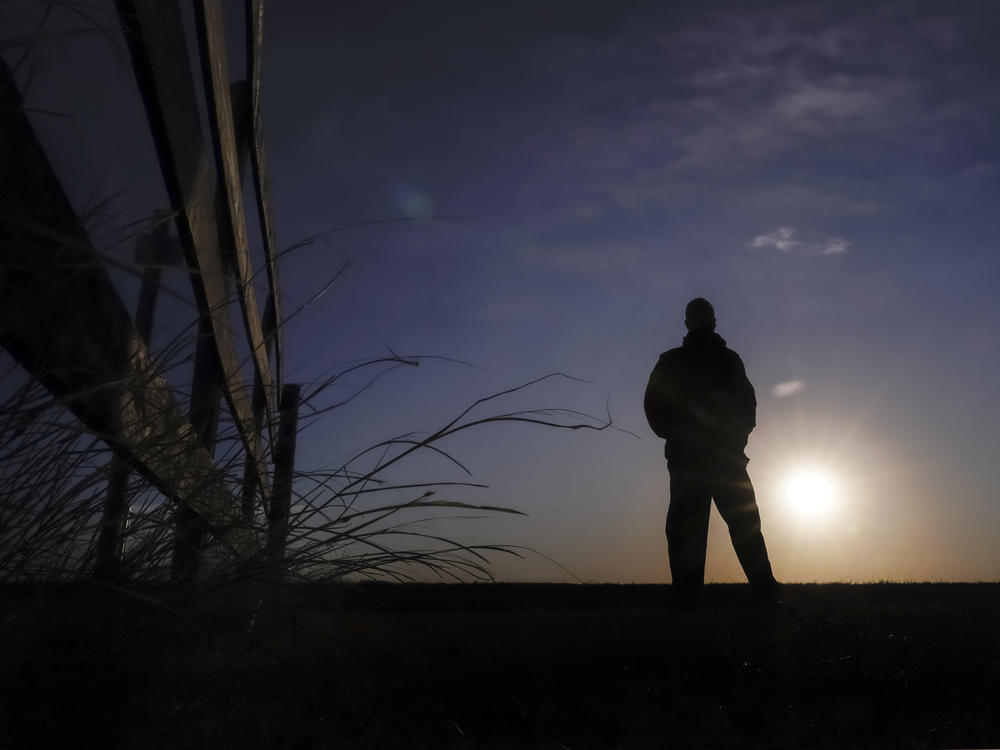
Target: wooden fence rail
x,y
272,314
155,34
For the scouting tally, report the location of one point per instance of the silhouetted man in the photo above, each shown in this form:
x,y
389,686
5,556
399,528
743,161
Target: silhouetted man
x,y
700,401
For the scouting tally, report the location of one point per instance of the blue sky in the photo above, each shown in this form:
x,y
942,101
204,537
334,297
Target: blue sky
x,y
825,173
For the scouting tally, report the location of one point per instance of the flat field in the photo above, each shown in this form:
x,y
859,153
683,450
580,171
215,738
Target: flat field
x,y
502,666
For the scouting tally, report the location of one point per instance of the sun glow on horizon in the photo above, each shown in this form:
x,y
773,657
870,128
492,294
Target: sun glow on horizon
x,y
811,493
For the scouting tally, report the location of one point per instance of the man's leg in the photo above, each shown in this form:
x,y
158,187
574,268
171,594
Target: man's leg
x,y
734,497
687,533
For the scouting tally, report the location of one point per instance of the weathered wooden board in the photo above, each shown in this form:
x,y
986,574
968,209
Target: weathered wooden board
x,y
255,34
155,35
215,69
272,310
206,391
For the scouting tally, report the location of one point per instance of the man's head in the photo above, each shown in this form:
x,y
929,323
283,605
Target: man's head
x,y
699,315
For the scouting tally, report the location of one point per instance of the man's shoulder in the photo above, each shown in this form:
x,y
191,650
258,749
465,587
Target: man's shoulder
x,y
675,353
671,356
730,354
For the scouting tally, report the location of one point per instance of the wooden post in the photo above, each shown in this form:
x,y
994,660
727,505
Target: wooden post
x,y
154,250
258,406
111,539
206,389
284,466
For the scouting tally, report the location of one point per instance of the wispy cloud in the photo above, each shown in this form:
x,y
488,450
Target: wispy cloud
x,y
788,388
781,238
834,246
784,239
814,109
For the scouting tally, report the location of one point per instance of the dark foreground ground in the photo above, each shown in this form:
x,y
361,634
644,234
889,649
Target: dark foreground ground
x,y
501,666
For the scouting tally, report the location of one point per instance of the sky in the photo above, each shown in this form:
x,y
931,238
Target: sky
x,y
566,176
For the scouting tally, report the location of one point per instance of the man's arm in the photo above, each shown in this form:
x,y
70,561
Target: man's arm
x,y
657,402
744,398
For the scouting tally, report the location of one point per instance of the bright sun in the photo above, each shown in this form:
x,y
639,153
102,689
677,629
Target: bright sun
x,y
811,493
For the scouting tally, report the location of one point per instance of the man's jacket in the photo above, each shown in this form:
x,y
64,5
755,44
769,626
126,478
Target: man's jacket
x,y
700,400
